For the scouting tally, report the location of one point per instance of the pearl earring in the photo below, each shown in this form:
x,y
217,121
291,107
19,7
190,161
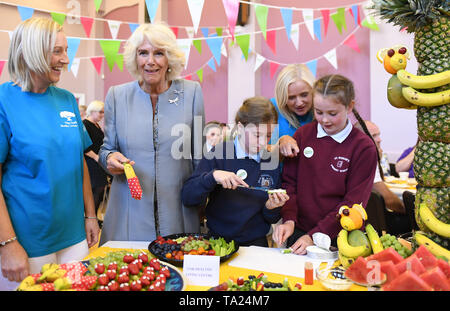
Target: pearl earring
x,y
169,70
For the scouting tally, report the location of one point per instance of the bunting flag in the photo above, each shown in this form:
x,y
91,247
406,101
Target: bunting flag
x,y
261,12
87,24
200,74
308,16
339,19
354,11
98,3
295,31
318,29
326,20
205,32
273,68
119,61
110,49
133,27
185,46
215,44
219,31
195,8
175,31
152,7
188,77
2,65
331,57
75,66
97,61
312,65
244,42
198,45
25,12
72,48
271,39
212,64
369,22
259,60
286,14
231,10
351,42
114,28
58,17
190,32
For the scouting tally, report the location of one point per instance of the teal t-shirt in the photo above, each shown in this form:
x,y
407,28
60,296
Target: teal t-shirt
x,y
42,143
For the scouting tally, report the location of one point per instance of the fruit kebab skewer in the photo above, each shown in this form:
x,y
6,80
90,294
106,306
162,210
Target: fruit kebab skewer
x,y
133,182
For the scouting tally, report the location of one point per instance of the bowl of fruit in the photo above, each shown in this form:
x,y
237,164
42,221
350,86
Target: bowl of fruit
x,y
172,248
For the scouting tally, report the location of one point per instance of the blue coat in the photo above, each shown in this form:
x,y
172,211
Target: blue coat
x,y
129,129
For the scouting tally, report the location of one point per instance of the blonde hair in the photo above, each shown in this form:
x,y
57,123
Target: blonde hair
x,y
160,36
291,73
30,50
95,105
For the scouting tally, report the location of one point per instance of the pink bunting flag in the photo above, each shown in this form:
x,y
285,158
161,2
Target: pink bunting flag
x,y
271,39
273,68
97,61
188,77
231,10
326,20
351,42
2,64
87,24
175,31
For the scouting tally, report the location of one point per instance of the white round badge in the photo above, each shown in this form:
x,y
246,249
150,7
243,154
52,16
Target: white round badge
x,y
242,173
308,152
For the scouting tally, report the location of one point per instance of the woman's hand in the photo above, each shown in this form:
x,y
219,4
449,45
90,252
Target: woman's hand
x,y
92,231
282,232
15,265
299,247
288,146
276,200
114,163
228,180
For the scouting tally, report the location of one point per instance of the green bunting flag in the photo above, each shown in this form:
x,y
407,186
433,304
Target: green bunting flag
x,y
98,3
110,49
200,74
261,12
244,42
58,17
370,23
198,45
339,19
219,31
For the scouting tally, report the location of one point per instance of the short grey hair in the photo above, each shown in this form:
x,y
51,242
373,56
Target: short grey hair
x,y
160,36
95,105
30,50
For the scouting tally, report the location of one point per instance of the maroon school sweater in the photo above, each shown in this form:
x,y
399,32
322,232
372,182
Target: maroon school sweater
x,y
336,174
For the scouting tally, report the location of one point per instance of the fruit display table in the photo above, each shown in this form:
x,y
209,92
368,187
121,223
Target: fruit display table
x,y
226,271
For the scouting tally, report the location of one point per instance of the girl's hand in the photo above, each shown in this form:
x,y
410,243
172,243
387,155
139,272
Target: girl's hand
x,y
228,180
276,200
299,247
288,146
283,231
14,262
114,163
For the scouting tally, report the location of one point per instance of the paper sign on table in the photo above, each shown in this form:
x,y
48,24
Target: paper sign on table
x,y
201,270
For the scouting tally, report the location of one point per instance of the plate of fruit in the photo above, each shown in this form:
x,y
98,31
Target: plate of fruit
x,y
172,248
255,283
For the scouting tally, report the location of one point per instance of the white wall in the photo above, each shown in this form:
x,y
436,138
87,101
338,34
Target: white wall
x,y
398,126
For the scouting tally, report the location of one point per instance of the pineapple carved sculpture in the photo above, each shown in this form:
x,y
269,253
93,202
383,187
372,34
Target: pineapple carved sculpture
x,y
429,20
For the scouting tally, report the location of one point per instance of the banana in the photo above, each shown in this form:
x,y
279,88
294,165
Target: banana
x,y
351,251
62,284
48,274
426,99
423,82
26,283
49,266
433,247
374,239
59,273
345,261
434,224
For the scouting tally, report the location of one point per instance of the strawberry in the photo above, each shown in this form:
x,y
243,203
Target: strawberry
x,y
113,286
139,263
85,282
150,274
148,269
47,287
123,278
99,268
165,271
144,257
103,289
124,287
103,279
155,264
240,281
128,258
136,285
145,281
124,269
133,268
112,266
298,285
111,274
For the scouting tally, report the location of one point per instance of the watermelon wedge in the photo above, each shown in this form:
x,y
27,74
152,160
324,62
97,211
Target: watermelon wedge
x,y
427,259
388,267
388,254
445,267
436,279
407,281
414,263
362,272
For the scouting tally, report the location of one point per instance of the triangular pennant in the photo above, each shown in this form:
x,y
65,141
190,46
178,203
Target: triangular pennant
x,y
75,66
175,31
97,61
273,68
119,61
271,39
72,48
231,10
114,28
219,31
133,26
244,42
25,12
308,16
326,19
249,53
87,24
190,32
331,57
351,42
110,49
223,50
196,8
98,3
312,65
198,45
152,7
259,60
205,31
200,74
318,29
212,64
215,45
286,14
261,12
2,65
370,23
339,19
185,46
354,11
295,31
58,17
188,77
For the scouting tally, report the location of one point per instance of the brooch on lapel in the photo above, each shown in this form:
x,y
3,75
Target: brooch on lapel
x,y
175,100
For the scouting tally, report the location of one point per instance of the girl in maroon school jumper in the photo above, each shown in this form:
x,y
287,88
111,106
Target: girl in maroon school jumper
x,y
335,166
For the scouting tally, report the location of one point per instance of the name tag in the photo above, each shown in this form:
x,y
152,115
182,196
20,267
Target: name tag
x,y
201,270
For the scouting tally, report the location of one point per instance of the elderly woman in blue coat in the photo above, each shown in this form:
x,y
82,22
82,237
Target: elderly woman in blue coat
x,y
155,123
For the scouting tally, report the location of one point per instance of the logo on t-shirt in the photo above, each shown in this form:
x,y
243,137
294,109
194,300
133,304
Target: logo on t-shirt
x,y
265,181
340,164
67,120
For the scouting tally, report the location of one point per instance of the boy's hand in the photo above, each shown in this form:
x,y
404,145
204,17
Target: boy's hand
x,y
276,200
228,180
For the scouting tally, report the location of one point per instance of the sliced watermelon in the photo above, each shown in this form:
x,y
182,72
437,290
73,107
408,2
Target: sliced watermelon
x,y
85,282
407,281
388,267
386,255
363,273
436,279
415,265
428,260
445,267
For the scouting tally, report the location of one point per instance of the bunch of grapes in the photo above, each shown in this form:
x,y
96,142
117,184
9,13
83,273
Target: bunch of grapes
x,y
389,240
